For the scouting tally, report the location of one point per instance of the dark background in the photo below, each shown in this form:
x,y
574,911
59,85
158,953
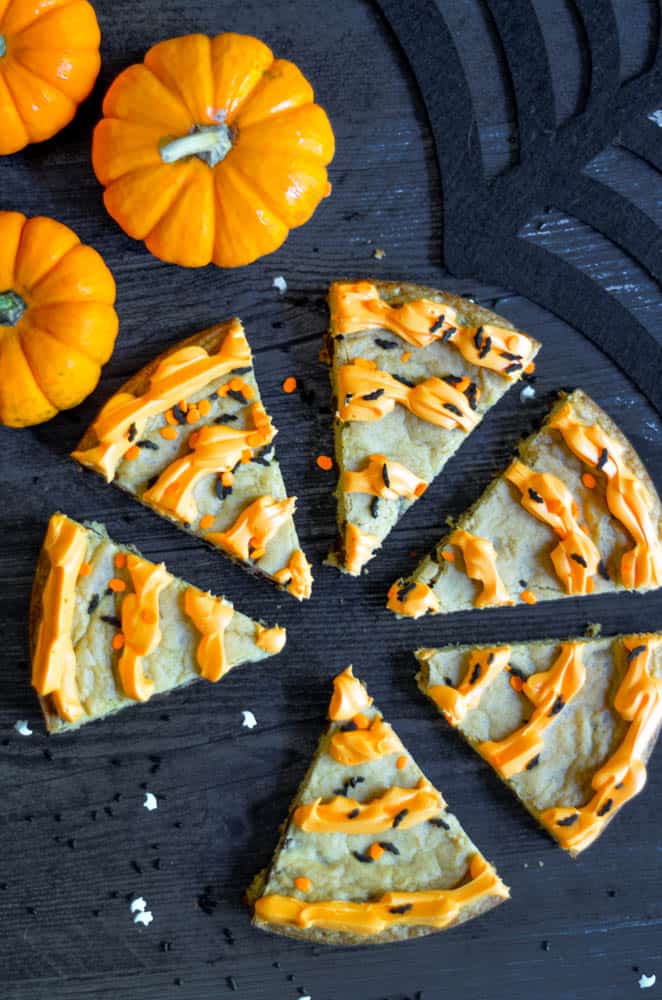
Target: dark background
x,y
75,840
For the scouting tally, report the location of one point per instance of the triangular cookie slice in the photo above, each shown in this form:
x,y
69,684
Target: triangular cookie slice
x,y
369,852
189,436
569,726
109,628
413,372
575,513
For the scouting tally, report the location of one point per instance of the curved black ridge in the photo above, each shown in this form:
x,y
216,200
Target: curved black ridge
x,y
482,221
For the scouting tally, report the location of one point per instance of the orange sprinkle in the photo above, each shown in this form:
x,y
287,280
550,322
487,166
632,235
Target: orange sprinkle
x,y
118,641
132,453
227,478
588,481
361,721
530,368
193,414
375,851
183,405
516,683
324,462
85,569
528,597
120,560
169,433
401,763
148,616
117,585
405,357
448,555
303,884
206,521
204,406
171,418
289,385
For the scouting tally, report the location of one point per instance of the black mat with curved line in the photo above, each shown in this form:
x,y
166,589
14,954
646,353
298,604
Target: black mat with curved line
x,y
75,840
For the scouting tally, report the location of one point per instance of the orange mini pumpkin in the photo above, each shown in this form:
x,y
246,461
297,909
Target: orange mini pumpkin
x,y
49,60
57,321
212,150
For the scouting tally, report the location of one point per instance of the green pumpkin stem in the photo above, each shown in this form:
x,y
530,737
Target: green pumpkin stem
x,y
12,308
210,143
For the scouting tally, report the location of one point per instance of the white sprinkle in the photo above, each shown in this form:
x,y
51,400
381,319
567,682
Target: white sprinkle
x,y
150,802
528,392
249,721
22,727
541,864
280,284
138,904
145,917
655,116
645,982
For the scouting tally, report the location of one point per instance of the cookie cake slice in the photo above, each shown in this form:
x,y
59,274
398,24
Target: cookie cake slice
x,y
413,372
369,852
109,628
575,513
189,437
568,726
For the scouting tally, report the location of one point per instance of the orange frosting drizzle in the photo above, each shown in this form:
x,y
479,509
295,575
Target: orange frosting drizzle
x,y
360,547
140,625
480,560
211,616
434,400
182,374
377,472
297,576
433,908
412,599
627,498
54,659
214,449
349,697
252,531
484,666
421,803
549,691
576,557
623,775
361,745
357,306
271,640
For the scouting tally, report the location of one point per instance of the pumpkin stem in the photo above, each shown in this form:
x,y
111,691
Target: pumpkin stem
x,y
210,143
3,46
12,308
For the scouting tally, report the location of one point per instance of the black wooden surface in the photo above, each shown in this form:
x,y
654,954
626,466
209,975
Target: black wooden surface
x,y
75,840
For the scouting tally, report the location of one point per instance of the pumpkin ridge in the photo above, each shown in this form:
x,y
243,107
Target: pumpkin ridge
x,y
16,105
181,191
47,274
173,85
38,76
257,191
74,354
65,343
45,16
176,188
19,334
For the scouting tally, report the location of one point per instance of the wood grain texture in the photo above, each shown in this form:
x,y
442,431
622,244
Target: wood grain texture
x,y
76,840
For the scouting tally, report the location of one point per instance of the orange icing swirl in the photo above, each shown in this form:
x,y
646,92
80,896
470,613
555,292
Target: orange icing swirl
x,y
421,803
433,908
54,659
480,564
360,547
412,599
366,393
549,691
180,375
297,576
211,617
271,640
484,666
361,745
140,625
349,697
377,472
357,307
627,498
252,531
576,557
214,449
623,775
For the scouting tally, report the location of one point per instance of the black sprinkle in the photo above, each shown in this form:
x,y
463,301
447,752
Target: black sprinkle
x,y
403,380
386,345
490,658
221,491
179,414
405,590
511,357
373,395
603,571
441,823
437,325
178,981
133,430
229,936
232,983
365,859
353,781
237,395
611,893
453,379
149,445
605,807
374,507
545,945
165,946
348,727
136,867
452,408
475,673
568,821
94,604
523,583
448,682
535,496
208,900
261,456
634,653
111,620
71,843
226,418
108,810
150,482
575,556
533,762
447,334
401,909
242,371
513,367
478,338
386,845
353,814
397,820
471,392
604,458
164,717
348,398
557,706
385,476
